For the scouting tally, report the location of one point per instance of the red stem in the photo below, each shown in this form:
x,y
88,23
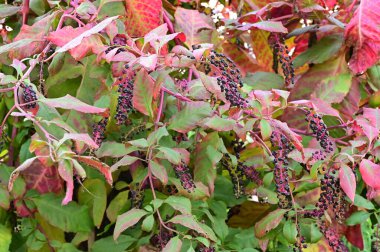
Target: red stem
x,y
160,108
25,11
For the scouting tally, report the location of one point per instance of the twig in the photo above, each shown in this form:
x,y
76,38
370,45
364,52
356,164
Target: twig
x,y
261,142
176,95
160,109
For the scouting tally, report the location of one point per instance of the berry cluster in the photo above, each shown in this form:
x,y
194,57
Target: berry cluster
x,y
124,102
332,238
238,146
320,131
203,248
286,62
228,77
182,172
29,96
137,198
236,174
331,195
98,130
163,237
281,163
119,40
250,173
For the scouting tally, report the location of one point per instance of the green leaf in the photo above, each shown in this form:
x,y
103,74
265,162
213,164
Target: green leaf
x,y
290,231
179,203
269,222
148,223
118,205
357,218
140,143
263,81
334,88
143,92
113,149
127,220
325,49
171,155
105,244
156,135
126,160
362,202
7,10
219,124
189,222
94,194
70,218
5,237
158,171
206,158
190,116
266,129
174,245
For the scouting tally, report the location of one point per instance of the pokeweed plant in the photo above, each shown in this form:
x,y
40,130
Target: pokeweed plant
x,y
175,125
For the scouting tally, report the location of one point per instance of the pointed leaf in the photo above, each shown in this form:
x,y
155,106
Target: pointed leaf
x,y
347,181
158,171
174,245
143,92
127,220
269,222
72,103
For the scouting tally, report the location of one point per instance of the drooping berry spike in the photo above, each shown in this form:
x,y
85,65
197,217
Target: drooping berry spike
x,y
286,62
281,163
228,77
236,174
163,237
321,133
331,195
333,238
98,131
29,96
250,173
137,198
182,172
124,102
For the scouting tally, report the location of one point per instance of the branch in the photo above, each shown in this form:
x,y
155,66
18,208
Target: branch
x,y
25,11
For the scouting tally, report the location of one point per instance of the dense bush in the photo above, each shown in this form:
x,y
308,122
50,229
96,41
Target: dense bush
x,y
149,125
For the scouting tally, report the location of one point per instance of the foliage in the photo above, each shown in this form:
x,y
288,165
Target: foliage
x,y
176,125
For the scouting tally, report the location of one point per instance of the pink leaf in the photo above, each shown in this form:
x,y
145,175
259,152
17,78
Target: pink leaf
x,y
293,137
72,103
85,138
370,173
143,93
373,115
347,181
17,171
363,33
70,38
190,22
65,170
270,26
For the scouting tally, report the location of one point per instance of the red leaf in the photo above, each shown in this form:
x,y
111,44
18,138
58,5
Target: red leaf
x,y
142,16
102,167
37,32
347,181
68,33
370,173
42,178
363,33
65,169
354,236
